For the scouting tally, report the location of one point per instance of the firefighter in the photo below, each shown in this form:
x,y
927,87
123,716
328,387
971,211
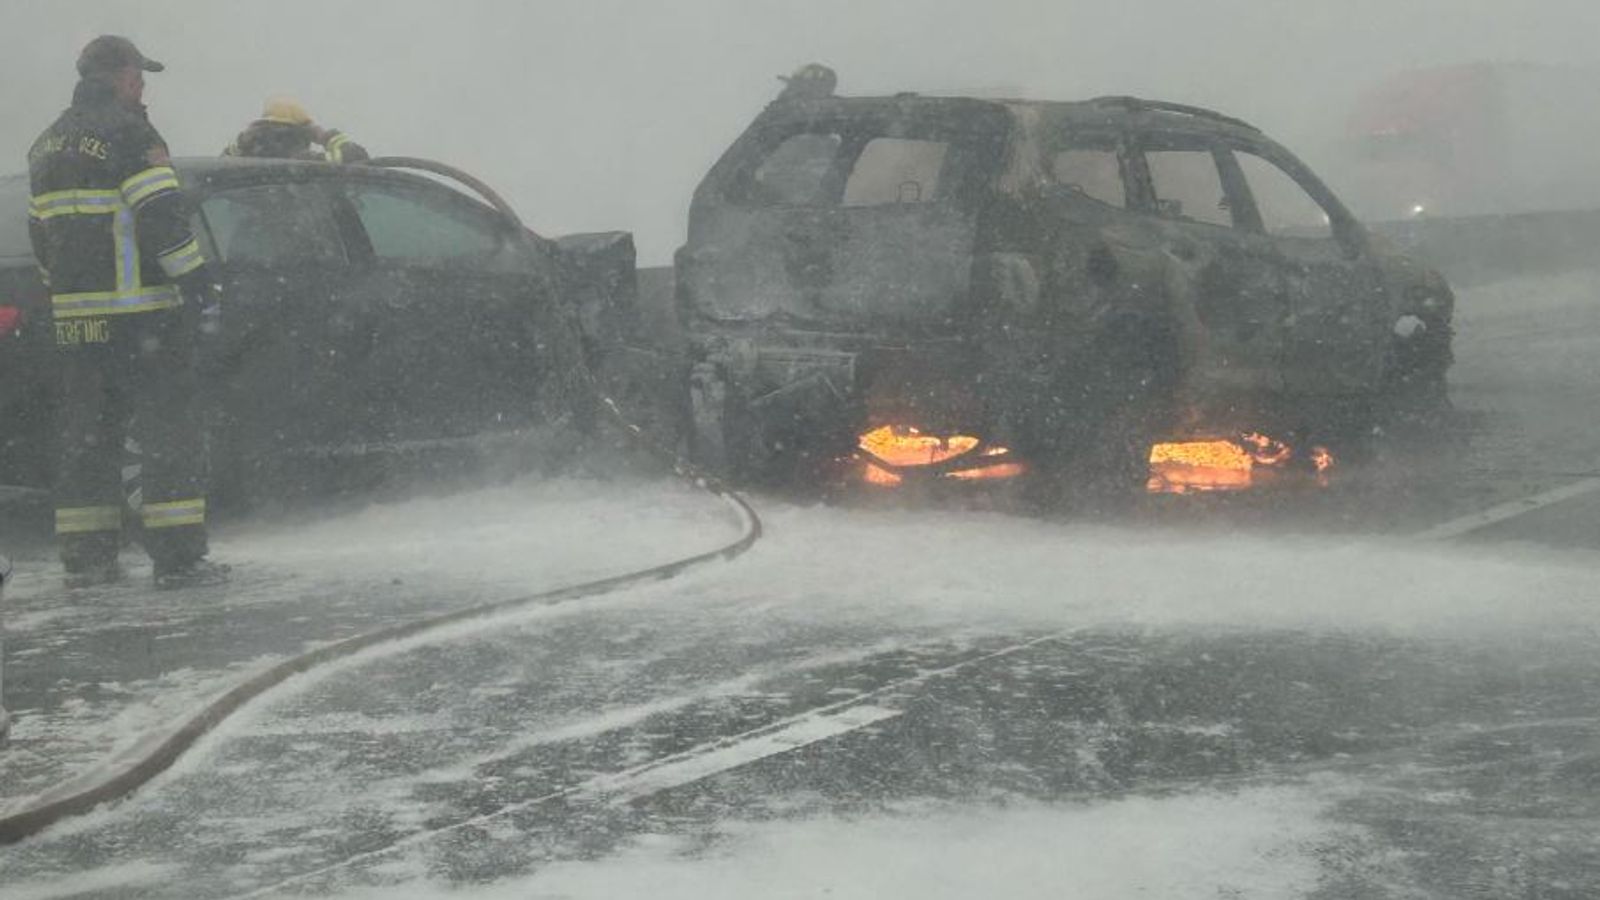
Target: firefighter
x,y
132,295
286,131
812,81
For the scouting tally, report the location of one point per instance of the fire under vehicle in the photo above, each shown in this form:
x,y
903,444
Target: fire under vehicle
x,y
961,289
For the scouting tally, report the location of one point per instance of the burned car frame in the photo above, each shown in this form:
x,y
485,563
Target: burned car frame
x,y
1060,283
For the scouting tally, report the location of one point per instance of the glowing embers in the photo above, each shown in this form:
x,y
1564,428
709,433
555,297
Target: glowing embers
x,y
893,452
1229,464
910,447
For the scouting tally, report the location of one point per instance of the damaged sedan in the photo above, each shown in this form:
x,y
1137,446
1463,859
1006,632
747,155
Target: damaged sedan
x,y
954,289
380,319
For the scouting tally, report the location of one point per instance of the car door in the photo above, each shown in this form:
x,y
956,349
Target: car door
x,y
1230,276
450,304
1338,328
283,265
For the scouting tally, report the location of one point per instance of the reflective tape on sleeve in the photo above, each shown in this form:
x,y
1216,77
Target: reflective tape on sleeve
x,y
147,184
336,147
182,260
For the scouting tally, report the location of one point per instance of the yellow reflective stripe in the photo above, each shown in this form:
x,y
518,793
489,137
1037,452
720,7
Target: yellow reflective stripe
x,y
87,519
336,147
111,303
182,260
126,242
174,513
75,202
147,184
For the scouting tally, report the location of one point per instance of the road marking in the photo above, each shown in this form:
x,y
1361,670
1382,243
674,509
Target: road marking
x,y
694,764
1494,515
713,759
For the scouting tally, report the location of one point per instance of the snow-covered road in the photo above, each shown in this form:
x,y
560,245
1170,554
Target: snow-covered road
x,y
1289,699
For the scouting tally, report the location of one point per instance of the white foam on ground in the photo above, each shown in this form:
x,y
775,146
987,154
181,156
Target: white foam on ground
x,y
516,539
120,878
78,745
524,535
993,572
887,573
1261,843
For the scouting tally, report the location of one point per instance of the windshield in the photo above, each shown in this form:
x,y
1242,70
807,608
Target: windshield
x,y
944,450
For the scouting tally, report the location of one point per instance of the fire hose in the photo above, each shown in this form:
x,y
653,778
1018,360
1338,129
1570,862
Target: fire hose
x,y
28,822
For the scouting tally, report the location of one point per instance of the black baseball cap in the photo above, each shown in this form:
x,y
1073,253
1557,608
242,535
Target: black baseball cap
x,y
110,52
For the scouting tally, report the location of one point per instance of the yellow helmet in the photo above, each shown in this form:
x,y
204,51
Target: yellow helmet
x,y
285,111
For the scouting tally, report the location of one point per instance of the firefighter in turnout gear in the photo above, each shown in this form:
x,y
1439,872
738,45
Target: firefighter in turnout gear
x,y
813,81
286,131
131,296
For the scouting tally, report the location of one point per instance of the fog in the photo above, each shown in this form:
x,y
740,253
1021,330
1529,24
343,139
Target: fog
x,y
1374,680
602,114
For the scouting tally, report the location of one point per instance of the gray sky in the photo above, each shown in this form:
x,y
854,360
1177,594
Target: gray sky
x,y
599,114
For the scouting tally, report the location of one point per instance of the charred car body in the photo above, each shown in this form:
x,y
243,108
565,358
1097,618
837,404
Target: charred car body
x,y
1067,282
369,312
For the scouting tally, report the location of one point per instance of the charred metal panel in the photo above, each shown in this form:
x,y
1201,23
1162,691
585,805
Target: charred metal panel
x,y
600,285
1056,295
885,269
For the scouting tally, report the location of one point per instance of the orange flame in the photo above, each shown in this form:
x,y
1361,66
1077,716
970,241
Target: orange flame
x,y
1223,465
910,447
1219,465
905,447
1322,459
880,477
1265,450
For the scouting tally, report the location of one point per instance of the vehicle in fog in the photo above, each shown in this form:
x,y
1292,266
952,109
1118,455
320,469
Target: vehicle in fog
x,y
1474,139
961,288
368,311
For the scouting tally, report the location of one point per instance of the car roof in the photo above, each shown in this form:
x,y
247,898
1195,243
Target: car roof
x,y
211,173
218,171
1103,112
215,173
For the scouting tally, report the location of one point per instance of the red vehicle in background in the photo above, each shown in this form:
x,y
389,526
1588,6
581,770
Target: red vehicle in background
x,y
1475,139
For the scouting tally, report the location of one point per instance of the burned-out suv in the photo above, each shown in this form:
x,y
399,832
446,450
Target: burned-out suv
x,y
1064,282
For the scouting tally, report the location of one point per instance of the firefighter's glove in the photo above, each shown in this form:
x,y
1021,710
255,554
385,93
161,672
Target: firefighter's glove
x,y
203,297
211,316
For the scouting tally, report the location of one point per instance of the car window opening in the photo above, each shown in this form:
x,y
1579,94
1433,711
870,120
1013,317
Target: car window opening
x,y
1188,187
1287,210
267,224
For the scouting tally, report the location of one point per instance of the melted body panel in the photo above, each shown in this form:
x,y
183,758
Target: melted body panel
x,y
1029,272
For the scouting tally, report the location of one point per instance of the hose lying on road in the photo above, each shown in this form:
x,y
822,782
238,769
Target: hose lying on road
x,y
28,822
31,821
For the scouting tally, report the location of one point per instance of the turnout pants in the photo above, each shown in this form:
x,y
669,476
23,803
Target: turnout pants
x,y
129,376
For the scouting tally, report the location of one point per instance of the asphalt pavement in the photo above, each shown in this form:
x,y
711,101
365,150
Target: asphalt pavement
x,y
1384,688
